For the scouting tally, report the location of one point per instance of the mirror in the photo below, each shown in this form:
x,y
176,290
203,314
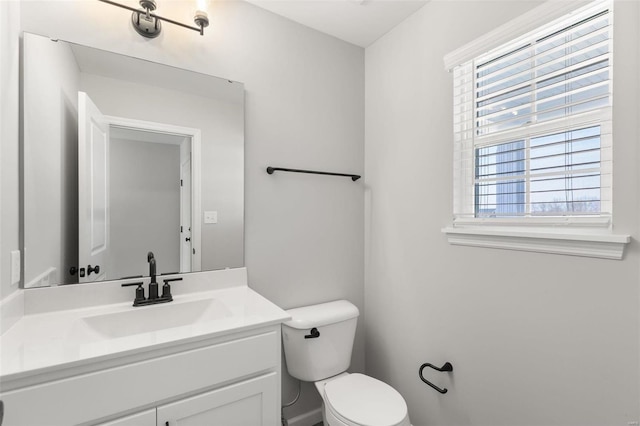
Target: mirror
x,y
123,156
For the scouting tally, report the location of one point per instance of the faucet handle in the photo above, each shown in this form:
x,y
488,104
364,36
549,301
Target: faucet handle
x,y
166,288
139,291
130,284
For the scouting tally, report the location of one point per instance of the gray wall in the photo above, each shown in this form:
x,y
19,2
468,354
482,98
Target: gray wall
x,y
144,207
304,109
535,339
9,160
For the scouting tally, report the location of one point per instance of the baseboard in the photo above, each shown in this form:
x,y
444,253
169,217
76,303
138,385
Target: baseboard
x,y
309,418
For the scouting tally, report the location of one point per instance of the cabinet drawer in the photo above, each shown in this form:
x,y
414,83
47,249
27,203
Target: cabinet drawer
x,y
104,393
248,403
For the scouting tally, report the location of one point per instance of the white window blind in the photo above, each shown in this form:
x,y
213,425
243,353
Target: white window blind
x,y
532,123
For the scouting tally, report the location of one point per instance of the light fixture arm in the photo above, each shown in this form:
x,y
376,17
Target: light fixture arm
x,y
201,19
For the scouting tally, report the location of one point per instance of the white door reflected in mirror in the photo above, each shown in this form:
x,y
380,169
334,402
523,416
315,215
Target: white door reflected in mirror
x,y
93,185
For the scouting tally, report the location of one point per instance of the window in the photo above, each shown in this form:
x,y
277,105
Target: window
x,y
533,135
563,176
532,125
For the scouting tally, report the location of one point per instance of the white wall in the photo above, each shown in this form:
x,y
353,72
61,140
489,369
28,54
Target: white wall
x,y
304,109
535,339
9,133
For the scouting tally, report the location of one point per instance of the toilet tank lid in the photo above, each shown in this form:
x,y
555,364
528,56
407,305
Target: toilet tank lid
x,y
320,315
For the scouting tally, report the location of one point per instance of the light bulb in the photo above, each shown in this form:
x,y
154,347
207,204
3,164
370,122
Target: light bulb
x,y
202,5
201,17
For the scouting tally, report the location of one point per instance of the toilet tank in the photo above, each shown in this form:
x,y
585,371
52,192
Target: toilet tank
x,y
316,358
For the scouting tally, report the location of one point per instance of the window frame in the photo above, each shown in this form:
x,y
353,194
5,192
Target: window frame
x,y
589,235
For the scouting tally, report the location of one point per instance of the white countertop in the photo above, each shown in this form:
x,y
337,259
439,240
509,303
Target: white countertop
x,y
44,342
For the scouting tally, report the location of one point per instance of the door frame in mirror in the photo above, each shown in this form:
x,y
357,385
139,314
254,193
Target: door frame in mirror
x,y
196,202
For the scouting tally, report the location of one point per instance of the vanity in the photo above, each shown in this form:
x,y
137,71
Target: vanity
x,y
212,356
129,157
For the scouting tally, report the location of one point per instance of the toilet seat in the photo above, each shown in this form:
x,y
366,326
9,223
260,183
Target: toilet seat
x,y
361,400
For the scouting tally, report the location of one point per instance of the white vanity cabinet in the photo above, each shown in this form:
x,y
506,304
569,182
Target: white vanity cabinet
x,y
247,403
228,380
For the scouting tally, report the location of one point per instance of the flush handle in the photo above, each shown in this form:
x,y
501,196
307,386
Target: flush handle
x,y
313,334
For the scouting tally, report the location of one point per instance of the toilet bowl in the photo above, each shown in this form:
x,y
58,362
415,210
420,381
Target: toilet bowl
x,y
318,341
359,400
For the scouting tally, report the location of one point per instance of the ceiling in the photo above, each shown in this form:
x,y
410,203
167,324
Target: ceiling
x,y
360,22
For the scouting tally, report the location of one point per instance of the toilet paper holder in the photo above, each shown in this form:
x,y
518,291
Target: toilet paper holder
x,y
446,367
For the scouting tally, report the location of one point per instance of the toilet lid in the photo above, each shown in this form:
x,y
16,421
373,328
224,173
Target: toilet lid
x,y
365,401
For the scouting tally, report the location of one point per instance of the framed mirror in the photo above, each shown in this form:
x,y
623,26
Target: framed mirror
x,y
122,157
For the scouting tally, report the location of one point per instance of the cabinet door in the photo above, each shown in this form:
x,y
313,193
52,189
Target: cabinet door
x,y
144,418
249,403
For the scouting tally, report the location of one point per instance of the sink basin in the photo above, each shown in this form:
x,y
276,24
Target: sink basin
x,y
156,317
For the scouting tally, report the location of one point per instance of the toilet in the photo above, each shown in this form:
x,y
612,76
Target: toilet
x,y
318,341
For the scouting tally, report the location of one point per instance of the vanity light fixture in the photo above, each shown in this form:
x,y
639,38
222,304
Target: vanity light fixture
x,y
148,24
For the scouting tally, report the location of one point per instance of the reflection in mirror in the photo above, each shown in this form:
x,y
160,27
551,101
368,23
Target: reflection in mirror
x,y
122,157
135,191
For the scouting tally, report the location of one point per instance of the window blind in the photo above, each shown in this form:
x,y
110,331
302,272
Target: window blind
x,y
532,123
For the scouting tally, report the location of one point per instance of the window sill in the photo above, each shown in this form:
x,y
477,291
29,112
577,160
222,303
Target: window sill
x,y
574,243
